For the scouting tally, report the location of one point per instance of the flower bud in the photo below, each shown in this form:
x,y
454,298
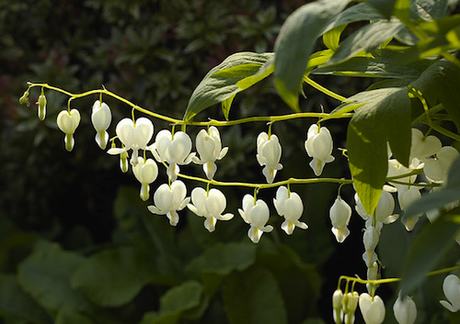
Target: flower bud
x,y
101,118
25,98
41,107
337,299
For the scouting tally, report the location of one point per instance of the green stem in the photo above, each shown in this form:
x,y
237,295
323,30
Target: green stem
x,y
324,90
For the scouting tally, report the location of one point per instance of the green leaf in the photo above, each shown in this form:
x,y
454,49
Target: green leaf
x,y
331,38
359,12
46,274
383,116
16,303
428,248
439,83
365,39
113,277
440,198
295,44
67,316
253,297
398,8
235,74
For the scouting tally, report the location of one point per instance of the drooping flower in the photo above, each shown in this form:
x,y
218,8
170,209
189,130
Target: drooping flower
x,y
290,206
451,288
210,205
134,135
174,149
269,155
209,147
145,171
406,198
41,106
423,146
372,309
436,170
349,305
101,117
337,298
384,210
405,310
68,122
169,199
319,146
255,213
340,214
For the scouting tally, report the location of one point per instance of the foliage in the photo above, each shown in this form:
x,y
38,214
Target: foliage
x,y
142,271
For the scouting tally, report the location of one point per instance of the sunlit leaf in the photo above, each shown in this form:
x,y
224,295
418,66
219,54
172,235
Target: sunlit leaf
x,y
383,116
428,248
235,74
295,44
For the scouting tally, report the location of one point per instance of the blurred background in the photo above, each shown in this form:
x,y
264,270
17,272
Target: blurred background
x,y
77,245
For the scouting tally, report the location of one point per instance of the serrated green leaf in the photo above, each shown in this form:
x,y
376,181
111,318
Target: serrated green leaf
x,y
295,44
365,39
439,198
235,74
46,274
439,83
16,303
113,277
427,249
253,297
384,116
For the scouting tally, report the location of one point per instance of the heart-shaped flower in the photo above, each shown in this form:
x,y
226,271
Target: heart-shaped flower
x,y
255,213
101,117
340,214
169,199
290,206
319,146
422,146
436,169
145,171
451,288
372,309
209,147
269,155
68,122
405,310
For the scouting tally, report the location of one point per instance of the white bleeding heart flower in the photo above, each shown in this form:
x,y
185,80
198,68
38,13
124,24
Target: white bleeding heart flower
x,y
255,213
290,206
319,146
372,309
436,169
210,205
422,146
68,122
101,117
209,147
337,299
134,135
384,210
169,199
269,155
145,171
451,288
396,169
174,149
340,214
349,305
405,310
408,197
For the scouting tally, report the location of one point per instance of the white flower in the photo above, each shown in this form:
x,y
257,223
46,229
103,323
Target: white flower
x,y
255,213
134,135
373,309
405,310
406,198
169,199
173,149
290,206
210,205
209,146
337,298
41,106
269,155
422,146
68,122
350,303
395,168
319,146
340,214
384,210
101,117
436,170
145,171
451,288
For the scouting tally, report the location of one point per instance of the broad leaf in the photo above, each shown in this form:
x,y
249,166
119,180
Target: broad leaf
x,y
113,277
366,39
295,44
398,8
440,198
67,316
359,12
15,303
383,116
253,297
46,274
235,74
428,248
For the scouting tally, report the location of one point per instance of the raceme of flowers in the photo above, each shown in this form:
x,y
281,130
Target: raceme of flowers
x,y
429,162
